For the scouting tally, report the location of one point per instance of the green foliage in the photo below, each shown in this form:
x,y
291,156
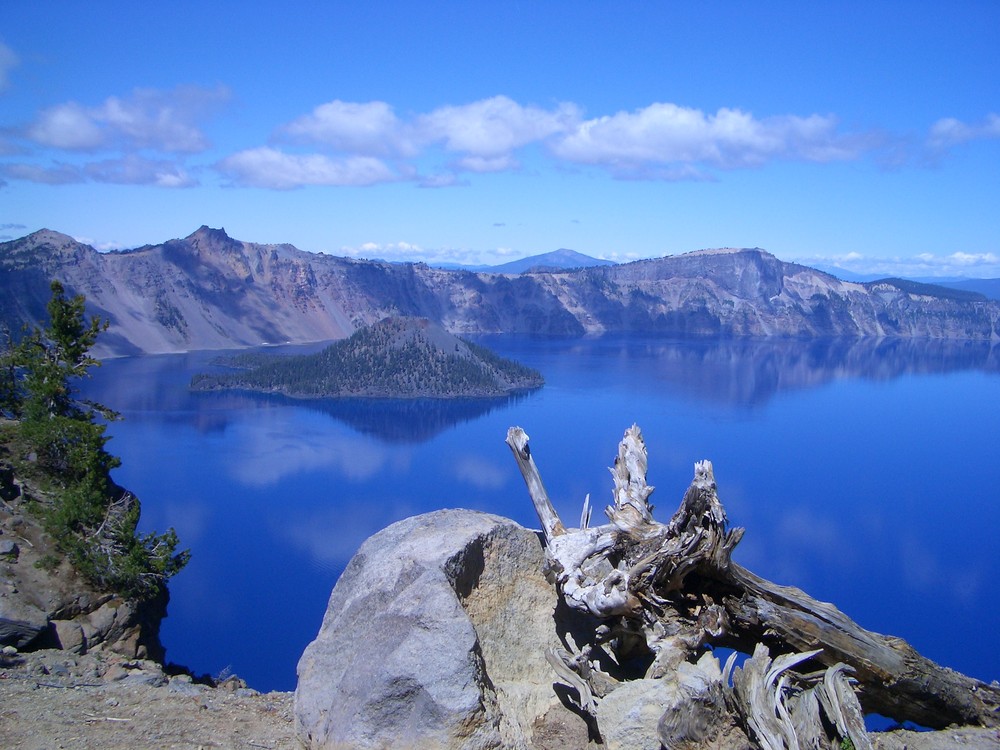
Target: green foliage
x,y
92,520
47,562
10,391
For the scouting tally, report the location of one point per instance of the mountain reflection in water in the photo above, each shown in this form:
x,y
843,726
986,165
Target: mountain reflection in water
x,y
399,420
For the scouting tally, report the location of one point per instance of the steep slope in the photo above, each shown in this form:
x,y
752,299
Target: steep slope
x,y
201,292
210,291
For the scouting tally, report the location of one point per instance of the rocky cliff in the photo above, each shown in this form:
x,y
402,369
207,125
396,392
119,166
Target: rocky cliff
x,y
209,290
45,603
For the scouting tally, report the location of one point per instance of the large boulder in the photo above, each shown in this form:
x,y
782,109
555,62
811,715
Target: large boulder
x,y
435,637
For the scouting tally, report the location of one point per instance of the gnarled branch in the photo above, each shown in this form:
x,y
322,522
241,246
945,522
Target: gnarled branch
x,y
673,588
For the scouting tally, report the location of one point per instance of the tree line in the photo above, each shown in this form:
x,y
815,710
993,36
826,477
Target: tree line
x,y
385,359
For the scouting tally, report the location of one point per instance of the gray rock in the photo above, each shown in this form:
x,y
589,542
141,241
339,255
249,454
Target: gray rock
x,y
434,637
20,622
69,636
628,716
9,548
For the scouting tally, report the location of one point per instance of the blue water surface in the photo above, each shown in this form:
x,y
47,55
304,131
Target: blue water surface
x,y
865,473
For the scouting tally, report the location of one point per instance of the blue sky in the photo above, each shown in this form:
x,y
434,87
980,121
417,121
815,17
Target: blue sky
x,y
861,134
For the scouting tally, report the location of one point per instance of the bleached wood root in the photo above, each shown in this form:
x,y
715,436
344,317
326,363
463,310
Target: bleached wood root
x,y
787,711
671,589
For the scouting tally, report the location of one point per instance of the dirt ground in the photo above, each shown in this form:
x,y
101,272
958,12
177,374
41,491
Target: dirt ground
x,y
52,700
55,699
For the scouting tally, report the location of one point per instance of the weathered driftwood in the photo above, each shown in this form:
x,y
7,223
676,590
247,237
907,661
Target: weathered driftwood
x,y
669,590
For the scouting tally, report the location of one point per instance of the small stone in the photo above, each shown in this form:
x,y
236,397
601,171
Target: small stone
x,y
111,702
115,673
8,547
9,650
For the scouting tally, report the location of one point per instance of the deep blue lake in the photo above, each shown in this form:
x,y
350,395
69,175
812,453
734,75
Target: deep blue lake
x,y
866,473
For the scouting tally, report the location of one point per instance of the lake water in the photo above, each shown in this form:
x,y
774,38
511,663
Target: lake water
x,y
865,473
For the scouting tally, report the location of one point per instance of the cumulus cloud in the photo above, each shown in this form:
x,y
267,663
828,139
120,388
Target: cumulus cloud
x,y
370,128
662,141
8,61
147,119
492,128
58,174
949,132
129,170
268,167
134,170
480,137
668,134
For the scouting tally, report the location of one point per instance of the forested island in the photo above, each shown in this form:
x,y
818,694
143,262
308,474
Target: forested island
x,y
399,357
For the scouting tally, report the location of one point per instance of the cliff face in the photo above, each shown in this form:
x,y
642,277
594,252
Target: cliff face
x,y
45,603
210,291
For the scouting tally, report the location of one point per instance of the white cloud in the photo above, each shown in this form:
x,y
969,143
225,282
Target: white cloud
x,y
920,265
59,174
662,141
949,132
487,163
8,61
408,252
972,259
668,134
129,170
135,170
364,128
148,118
67,126
493,127
271,168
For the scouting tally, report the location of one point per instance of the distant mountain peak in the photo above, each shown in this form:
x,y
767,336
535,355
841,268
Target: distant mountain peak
x,y
51,237
205,232
562,259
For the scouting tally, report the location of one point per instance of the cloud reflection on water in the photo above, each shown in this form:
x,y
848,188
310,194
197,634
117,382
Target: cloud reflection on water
x,y
264,457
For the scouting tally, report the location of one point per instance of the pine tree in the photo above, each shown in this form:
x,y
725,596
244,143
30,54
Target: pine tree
x,y
92,520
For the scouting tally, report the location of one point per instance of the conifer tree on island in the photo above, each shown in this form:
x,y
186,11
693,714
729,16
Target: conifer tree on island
x,y
59,440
